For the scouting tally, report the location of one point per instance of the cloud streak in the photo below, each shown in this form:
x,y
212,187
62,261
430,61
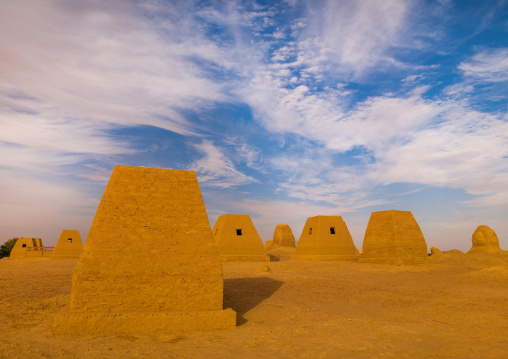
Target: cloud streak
x,y
488,65
354,36
215,169
110,64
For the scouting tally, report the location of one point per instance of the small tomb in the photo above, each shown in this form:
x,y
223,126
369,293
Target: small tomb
x,y
238,240
30,248
69,245
325,238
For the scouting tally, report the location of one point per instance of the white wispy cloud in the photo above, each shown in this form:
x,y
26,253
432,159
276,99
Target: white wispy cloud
x,y
95,173
245,153
459,90
215,169
31,123
354,35
438,142
72,73
34,160
489,65
311,175
282,109
468,150
110,64
426,142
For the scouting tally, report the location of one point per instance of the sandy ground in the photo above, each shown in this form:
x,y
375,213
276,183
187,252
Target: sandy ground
x,y
454,308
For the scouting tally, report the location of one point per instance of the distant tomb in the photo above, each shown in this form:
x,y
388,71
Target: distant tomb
x,y
484,241
69,245
283,245
30,248
435,251
325,238
283,236
268,245
149,264
237,239
394,237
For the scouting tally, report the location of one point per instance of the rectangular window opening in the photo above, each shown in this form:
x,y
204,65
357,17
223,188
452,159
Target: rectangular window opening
x,y
332,230
310,231
24,245
238,232
69,240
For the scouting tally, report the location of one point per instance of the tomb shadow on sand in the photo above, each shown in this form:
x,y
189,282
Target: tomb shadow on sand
x,y
244,294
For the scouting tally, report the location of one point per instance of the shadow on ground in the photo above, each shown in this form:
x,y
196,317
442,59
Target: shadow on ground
x,y
244,294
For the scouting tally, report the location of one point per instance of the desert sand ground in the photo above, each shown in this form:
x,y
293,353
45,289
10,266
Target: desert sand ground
x,y
456,307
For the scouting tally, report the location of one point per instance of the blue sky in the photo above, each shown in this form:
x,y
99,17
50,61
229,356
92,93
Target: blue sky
x,y
285,110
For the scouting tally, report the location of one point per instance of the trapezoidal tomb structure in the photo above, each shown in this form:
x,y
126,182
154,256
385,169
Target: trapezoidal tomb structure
x,y
149,264
325,238
237,239
30,248
69,245
485,241
394,237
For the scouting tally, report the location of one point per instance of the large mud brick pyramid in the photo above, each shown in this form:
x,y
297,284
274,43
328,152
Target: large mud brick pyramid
x,y
485,241
237,239
325,238
28,248
394,237
69,245
149,264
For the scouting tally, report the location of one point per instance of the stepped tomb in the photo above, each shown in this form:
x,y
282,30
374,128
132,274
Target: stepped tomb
x,y
150,263
325,238
394,237
238,240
